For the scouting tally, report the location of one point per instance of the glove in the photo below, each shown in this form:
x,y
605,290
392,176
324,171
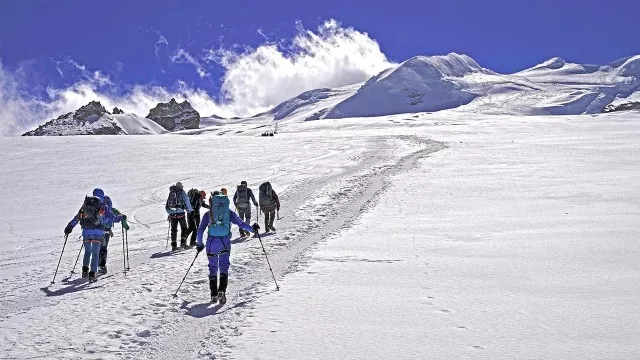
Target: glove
x,y
68,230
125,225
199,248
255,227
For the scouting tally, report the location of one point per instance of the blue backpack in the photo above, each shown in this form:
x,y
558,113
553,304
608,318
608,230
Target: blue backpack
x,y
219,224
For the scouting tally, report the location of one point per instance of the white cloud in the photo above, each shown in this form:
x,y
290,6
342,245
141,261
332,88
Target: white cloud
x,y
13,102
254,80
183,57
332,56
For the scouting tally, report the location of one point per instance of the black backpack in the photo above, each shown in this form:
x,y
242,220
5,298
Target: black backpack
x,y
175,200
89,214
266,200
194,197
242,201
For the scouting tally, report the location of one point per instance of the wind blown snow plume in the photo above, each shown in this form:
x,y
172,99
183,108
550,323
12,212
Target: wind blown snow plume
x,y
254,80
333,56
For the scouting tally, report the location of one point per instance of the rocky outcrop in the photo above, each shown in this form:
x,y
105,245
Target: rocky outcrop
x,y
90,119
175,116
117,111
90,112
632,105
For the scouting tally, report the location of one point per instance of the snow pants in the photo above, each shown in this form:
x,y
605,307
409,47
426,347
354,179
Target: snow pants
x,y
103,248
269,216
194,221
218,252
91,253
245,214
184,230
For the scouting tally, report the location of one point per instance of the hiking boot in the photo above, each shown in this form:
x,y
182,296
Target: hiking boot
x,y
85,272
174,246
102,270
214,299
272,228
222,298
183,244
92,276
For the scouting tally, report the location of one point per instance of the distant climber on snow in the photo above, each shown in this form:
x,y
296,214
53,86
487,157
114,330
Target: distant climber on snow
x,y
197,200
241,201
176,204
269,204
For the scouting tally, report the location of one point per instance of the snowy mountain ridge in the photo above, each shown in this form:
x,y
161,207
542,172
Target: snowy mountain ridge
x,y
458,83
94,119
451,82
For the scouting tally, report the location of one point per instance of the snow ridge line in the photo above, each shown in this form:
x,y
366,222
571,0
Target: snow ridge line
x,y
325,215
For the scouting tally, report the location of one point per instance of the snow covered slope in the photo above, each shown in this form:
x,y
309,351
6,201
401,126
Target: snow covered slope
x,y
133,124
423,83
445,235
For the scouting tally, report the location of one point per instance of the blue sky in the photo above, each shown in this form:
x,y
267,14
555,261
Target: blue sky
x,y
176,46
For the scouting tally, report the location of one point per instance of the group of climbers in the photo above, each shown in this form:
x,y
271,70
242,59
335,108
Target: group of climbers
x,y
217,222
97,216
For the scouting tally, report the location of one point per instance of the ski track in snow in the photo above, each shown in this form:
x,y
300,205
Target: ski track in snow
x,y
133,315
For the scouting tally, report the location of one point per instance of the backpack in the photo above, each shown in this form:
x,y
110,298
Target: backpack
x,y
90,214
194,197
175,200
266,200
242,202
219,224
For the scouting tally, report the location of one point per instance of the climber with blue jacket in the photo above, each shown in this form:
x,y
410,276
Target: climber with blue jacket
x,y
90,217
176,204
218,221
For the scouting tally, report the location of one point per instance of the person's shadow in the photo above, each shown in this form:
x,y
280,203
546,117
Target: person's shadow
x,y
200,310
73,286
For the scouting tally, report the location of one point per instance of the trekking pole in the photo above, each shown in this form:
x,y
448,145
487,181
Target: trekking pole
x,y
168,232
175,295
126,241
73,271
268,263
63,246
124,261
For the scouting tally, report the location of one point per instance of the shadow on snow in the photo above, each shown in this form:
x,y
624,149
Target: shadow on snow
x,y
73,286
